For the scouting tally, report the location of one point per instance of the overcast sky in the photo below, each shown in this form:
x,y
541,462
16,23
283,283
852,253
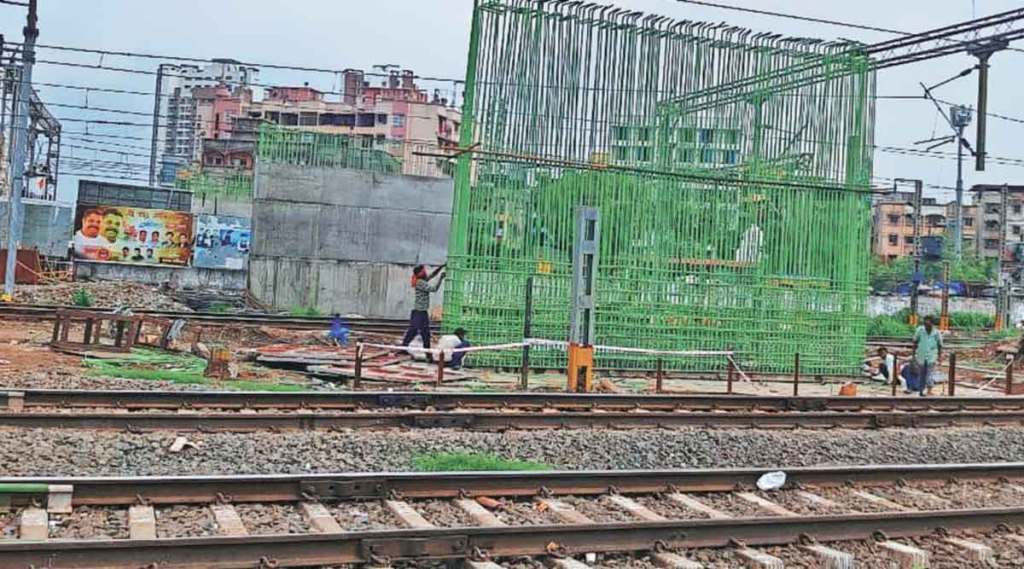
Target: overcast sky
x,y
431,37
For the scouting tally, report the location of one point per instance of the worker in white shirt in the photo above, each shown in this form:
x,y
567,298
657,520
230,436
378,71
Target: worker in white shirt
x,y
450,342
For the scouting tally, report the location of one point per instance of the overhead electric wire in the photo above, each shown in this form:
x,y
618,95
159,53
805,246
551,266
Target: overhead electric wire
x,y
812,19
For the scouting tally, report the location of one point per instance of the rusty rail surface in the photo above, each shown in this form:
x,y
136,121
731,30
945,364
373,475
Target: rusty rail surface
x,y
466,542
234,411
453,400
112,491
499,421
48,312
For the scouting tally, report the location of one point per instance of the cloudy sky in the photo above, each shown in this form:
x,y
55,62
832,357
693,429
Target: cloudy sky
x,y
431,36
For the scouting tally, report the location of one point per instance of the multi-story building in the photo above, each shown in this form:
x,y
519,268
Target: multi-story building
x,y
180,123
396,116
893,227
988,200
970,223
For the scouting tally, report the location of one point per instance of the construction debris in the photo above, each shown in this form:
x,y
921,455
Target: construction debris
x,y
100,295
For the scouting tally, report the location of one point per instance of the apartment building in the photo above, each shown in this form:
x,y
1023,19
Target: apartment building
x,y
893,223
988,200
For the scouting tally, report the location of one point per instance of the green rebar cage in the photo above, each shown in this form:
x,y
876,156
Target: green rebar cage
x,y
731,170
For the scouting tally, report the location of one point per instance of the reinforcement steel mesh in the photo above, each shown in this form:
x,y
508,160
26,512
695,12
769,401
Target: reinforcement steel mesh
x,y
731,171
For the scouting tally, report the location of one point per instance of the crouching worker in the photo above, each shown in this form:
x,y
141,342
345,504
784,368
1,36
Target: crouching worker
x,y
450,342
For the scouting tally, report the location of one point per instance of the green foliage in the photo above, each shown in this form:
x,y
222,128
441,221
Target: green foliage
x,y
971,320
884,276
81,297
889,326
310,311
462,461
1004,334
241,385
220,307
151,365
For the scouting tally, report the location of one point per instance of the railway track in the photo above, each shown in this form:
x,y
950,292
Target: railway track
x,y
377,325
239,412
670,517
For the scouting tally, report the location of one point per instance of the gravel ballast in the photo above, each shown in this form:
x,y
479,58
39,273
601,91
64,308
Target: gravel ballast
x,y
57,452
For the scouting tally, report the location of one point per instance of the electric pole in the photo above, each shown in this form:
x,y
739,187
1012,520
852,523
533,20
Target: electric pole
x,y
19,146
960,117
156,123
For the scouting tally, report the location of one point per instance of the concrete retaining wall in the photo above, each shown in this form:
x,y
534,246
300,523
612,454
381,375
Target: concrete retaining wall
x,y
185,277
879,305
345,240
47,226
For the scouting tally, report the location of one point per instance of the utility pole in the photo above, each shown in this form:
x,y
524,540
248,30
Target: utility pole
x,y
1000,281
960,117
916,279
19,146
156,122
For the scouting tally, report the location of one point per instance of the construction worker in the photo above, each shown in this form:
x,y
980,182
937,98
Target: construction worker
x,y
419,319
927,353
450,342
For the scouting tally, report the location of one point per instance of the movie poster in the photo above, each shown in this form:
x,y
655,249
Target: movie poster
x,y
132,235
222,242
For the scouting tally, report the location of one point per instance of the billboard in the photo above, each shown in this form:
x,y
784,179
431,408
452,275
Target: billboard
x,y
132,235
222,242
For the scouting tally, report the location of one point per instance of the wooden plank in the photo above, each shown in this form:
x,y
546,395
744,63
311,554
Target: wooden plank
x,y
407,514
766,505
636,509
229,523
696,505
564,511
319,518
141,522
481,515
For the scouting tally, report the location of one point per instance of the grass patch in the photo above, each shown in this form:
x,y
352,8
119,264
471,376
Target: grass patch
x,y
304,311
463,461
220,307
242,385
1004,334
81,297
151,365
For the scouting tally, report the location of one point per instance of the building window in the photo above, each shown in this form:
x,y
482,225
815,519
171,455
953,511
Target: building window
x,y
991,243
382,119
1016,208
910,240
398,120
1015,229
991,208
968,222
894,219
894,239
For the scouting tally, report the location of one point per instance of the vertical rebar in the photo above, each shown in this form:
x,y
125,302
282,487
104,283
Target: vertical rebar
x,y
796,374
952,374
357,375
524,377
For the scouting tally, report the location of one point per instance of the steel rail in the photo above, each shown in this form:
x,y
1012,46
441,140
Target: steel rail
x,y
120,491
502,420
42,311
60,399
453,543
